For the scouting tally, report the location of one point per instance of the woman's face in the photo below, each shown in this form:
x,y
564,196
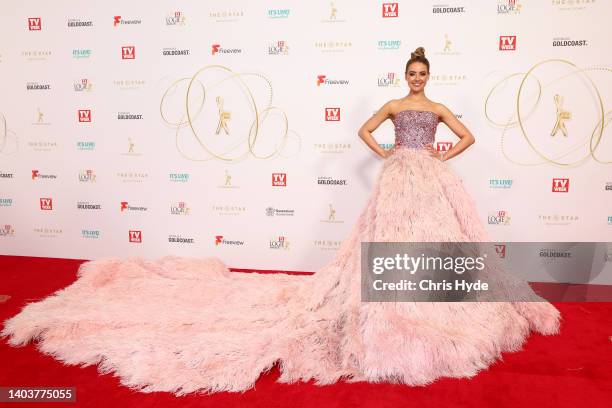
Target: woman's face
x,y
417,76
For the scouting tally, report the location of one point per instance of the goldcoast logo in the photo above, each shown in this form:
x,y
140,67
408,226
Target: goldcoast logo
x,y
239,121
552,114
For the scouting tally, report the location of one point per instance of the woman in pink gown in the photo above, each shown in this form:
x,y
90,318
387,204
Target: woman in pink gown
x,y
184,325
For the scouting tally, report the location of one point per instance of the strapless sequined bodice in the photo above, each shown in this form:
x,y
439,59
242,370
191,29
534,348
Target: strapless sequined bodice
x,y
415,129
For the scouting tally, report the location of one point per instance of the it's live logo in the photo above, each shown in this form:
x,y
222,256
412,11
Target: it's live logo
x,y
84,115
332,114
46,204
136,236
34,23
507,43
560,185
128,52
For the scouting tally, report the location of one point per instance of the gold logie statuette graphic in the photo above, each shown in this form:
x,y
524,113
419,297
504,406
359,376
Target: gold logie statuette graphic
x,y
334,11
258,128
562,116
447,44
224,116
332,213
521,118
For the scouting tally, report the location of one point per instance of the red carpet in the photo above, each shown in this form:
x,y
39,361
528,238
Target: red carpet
x,y
569,370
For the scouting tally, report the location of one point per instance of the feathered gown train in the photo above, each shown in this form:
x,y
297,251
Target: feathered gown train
x,y
183,325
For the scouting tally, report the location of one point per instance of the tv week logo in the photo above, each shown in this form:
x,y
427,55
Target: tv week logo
x,y
560,185
444,146
500,250
279,179
390,10
507,42
34,23
135,236
128,52
332,114
46,204
84,115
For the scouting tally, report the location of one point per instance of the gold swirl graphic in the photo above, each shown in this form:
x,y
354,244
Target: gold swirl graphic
x,y
573,151
225,137
7,138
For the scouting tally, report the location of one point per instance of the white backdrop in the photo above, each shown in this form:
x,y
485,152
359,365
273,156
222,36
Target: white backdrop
x,y
149,175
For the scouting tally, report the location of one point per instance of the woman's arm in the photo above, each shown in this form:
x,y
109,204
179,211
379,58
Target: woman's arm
x,y
365,132
454,124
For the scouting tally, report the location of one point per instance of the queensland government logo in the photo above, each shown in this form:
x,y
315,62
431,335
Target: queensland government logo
x,y
279,212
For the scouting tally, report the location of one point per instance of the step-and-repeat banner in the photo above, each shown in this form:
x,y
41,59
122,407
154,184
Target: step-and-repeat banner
x,y
229,128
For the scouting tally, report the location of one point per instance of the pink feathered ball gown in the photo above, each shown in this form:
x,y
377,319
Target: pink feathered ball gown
x,y
184,325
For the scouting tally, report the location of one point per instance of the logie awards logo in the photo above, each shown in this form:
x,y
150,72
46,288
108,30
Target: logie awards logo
x,y
240,122
552,114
